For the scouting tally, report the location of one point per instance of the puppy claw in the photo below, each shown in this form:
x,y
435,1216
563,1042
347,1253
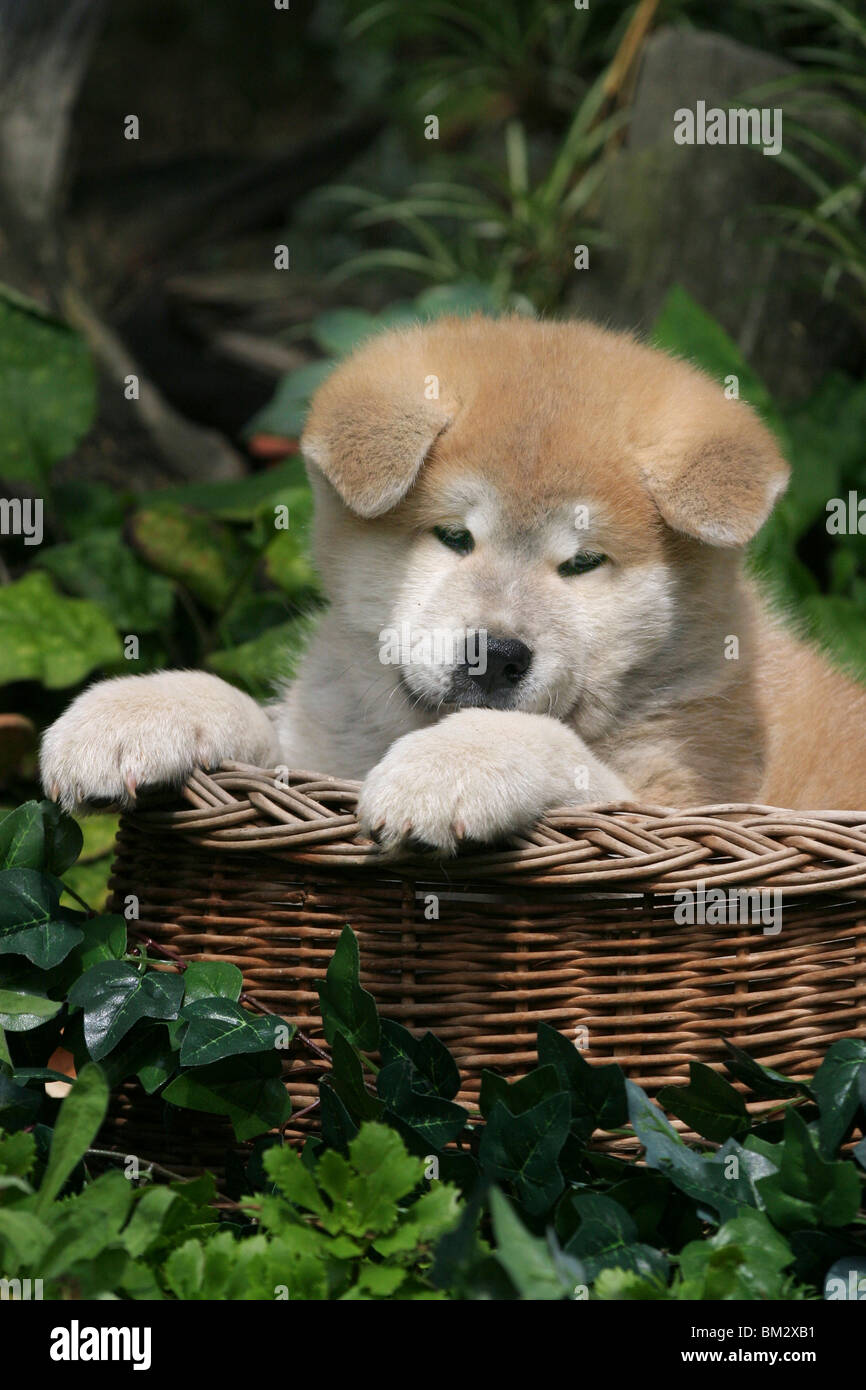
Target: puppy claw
x,y
459,830
131,784
55,791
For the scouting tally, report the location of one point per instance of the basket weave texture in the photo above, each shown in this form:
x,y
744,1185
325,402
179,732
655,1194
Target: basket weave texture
x,y
574,923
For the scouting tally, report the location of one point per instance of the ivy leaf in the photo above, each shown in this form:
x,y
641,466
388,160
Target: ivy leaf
x,y
220,1028
31,919
20,1010
598,1098
347,1008
702,1179
524,1149
47,637
114,996
338,1127
212,979
708,1104
519,1096
437,1120
433,1067
761,1081
607,1237
249,1090
838,1086
807,1190
347,1079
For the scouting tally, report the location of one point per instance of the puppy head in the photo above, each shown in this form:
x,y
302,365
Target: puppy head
x,y
519,514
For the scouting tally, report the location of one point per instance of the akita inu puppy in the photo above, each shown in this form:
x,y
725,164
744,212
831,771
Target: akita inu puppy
x,y
573,506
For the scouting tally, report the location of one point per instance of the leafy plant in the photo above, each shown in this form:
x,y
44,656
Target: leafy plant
x,y
405,1192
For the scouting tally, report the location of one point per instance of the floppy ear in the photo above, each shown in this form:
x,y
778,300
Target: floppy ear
x,y
713,470
375,419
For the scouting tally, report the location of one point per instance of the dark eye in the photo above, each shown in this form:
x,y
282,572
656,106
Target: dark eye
x,y
581,563
454,538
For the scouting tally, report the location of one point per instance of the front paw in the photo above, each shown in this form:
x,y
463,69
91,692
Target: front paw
x,y
478,775
137,731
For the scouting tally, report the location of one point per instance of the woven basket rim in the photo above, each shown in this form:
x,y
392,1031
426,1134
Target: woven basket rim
x,y
312,817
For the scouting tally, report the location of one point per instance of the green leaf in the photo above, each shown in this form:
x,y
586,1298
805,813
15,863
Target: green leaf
x,y
31,918
433,1067
522,1095
102,568
687,330
527,1260
709,1104
339,331
287,409
807,1190
47,390
436,1120
762,1081
338,1127
838,1087
20,1011
346,1007
114,995
212,979
347,1079
47,637
524,1149
607,1236
284,1167
598,1098
246,1089
198,552
80,1118
220,1028
273,655
744,1259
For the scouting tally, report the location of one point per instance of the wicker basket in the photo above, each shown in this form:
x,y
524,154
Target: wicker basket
x,y
574,923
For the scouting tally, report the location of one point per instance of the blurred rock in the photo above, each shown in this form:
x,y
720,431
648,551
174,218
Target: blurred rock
x,y
692,214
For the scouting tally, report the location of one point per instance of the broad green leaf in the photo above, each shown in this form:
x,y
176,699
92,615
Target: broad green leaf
x,y
220,1028
524,1149
807,1190
519,1096
32,922
246,1089
287,409
347,1079
47,391
762,1081
436,1120
47,637
198,552
114,995
709,1104
102,568
345,1006
433,1067
607,1236
21,1011
78,1123
272,656
839,1087
212,979
598,1098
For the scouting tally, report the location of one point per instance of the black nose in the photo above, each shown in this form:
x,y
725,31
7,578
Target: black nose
x,y
508,660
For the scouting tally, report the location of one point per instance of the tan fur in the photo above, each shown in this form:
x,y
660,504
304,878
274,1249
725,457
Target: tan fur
x,y
513,430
